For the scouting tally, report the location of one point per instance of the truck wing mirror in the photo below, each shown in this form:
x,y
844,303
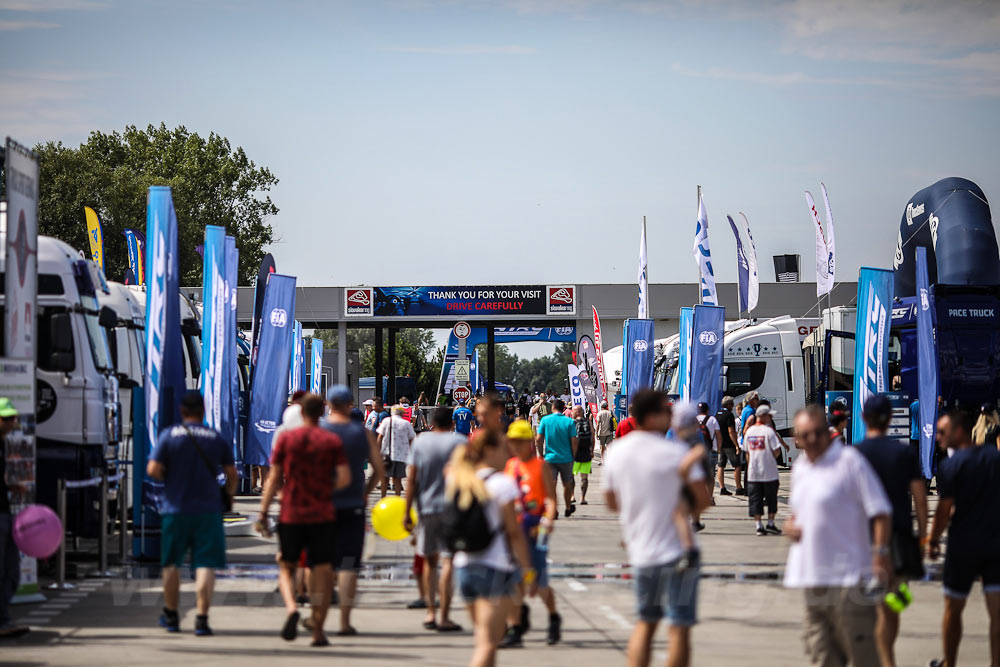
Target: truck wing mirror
x,y
107,318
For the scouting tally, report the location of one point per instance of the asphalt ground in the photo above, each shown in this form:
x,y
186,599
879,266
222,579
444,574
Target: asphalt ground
x,y
745,616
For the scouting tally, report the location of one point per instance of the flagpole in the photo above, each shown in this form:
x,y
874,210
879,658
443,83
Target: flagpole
x,y
698,283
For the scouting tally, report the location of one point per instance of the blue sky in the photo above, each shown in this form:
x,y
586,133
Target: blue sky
x,y
522,141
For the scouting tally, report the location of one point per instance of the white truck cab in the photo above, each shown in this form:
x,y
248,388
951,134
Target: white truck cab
x,y
77,409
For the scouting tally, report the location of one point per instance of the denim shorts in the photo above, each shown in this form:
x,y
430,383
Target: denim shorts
x,y
477,581
659,584
539,562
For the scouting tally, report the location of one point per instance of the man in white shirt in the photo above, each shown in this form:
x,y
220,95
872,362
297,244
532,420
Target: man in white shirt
x,y
840,553
763,446
643,483
395,435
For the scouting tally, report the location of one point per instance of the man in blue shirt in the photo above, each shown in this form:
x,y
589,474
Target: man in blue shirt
x,y
187,459
557,439
463,419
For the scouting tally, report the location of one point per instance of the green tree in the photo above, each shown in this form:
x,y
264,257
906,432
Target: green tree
x,y
211,184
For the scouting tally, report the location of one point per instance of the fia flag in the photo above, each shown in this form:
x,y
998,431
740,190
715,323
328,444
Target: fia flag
x,y
753,289
643,277
927,366
703,256
215,310
871,348
316,372
824,258
135,244
95,234
742,266
708,325
639,353
269,393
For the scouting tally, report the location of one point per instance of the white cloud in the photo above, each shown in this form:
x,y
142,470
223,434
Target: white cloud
x,y
11,26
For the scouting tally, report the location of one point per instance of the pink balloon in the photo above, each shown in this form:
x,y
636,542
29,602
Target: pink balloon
x,y
37,531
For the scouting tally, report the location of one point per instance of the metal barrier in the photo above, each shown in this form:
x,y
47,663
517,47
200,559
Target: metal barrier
x,y
62,486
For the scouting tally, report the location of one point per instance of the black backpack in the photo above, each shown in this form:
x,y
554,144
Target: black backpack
x,y
706,435
467,529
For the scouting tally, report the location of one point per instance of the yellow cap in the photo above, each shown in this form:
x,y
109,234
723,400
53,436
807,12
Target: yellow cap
x,y
519,430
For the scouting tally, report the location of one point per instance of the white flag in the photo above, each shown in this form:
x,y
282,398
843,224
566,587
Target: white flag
x,y
830,246
754,292
703,257
824,281
643,278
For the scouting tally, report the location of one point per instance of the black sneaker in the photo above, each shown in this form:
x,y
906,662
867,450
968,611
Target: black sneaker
x,y
419,603
290,629
698,526
201,628
570,510
555,629
511,639
761,531
170,620
741,491
935,663
725,492
771,528
525,624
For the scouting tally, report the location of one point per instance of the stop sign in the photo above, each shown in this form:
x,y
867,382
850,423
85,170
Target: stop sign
x,y
460,394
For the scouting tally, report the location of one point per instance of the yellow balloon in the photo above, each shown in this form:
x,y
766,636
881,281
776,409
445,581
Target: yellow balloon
x,y
387,518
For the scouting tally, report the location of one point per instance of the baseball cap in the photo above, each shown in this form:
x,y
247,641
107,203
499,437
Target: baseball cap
x,y
685,415
339,393
703,407
519,430
369,402
877,405
763,410
7,408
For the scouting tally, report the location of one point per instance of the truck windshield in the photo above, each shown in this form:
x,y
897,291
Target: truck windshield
x,y
96,335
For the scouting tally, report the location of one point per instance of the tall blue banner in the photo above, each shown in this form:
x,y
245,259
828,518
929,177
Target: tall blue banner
x,y
231,389
316,370
269,393
215,308
134,244
639,356
302,356
871,348
742,267
295,362
927,366
164,356
684,353
708,325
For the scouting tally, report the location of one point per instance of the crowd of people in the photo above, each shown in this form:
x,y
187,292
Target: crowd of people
x,y
483,484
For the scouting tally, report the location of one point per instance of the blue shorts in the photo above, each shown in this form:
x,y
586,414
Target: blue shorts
x,y
477,581
539,562
201,534
657,584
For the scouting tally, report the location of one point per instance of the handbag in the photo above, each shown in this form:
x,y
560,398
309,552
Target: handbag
x,y
227,500
906,556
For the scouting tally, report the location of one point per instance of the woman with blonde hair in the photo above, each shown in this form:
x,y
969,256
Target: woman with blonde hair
x,y
487,572
987,428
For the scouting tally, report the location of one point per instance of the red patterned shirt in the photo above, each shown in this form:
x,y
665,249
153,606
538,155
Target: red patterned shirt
x,y
307,458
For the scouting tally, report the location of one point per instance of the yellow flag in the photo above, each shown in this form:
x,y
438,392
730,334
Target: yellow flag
x,y
96,235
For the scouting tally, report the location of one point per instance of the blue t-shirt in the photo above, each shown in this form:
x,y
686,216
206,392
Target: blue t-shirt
x,y
463,420
747,411
354,438
558,430
188,485
915,420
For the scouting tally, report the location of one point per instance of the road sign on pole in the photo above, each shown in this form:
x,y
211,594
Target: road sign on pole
x,y
462,330
461,394
462,371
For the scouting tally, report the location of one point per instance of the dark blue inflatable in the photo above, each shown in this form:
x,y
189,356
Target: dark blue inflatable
x,y
952,220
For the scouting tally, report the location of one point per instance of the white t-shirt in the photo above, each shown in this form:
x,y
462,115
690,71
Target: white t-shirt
x,y
502,490
833,500
642,471
759,442
397,446
712,424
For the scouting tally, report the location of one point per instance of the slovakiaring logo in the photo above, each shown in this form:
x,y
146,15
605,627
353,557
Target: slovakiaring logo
x,y
708,338
279,317
561,300
358,301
